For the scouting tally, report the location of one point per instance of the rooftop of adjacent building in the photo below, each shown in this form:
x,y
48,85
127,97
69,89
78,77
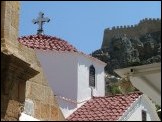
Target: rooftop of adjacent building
x,y
109,108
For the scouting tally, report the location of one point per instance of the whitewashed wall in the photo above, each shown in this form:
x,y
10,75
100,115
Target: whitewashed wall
x,y
135,111
84,91
68,76
137,114
60,69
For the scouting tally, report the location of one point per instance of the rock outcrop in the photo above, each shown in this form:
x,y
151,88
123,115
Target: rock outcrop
x,y
124,51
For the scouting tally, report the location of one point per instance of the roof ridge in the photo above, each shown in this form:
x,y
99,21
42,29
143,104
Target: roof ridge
x,y
139,92
35,35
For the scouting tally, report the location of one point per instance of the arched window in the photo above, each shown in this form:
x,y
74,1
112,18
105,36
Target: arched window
x,y
91,76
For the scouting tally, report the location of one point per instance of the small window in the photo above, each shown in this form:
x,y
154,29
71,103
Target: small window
x,y
92,76
144,117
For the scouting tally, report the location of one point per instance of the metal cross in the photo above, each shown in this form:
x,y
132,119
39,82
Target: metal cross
x,y
40,21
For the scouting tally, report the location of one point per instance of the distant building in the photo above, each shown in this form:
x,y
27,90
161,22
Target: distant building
x,y
147,25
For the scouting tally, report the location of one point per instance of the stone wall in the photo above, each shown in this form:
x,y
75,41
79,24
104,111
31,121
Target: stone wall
x,y
45,104
23,77
144,26
9,25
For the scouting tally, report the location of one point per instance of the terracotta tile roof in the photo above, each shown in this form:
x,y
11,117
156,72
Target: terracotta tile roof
x,y
108,108
46,42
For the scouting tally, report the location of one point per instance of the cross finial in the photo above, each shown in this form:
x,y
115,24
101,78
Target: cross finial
x,y
40,21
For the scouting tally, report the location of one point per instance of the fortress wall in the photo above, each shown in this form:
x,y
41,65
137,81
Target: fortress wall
x,y
144,26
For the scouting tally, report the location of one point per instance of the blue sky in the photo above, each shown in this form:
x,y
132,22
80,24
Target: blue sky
x,y
82,23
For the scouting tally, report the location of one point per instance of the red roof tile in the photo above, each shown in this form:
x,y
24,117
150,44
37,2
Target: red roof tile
x,y
46,42
104,108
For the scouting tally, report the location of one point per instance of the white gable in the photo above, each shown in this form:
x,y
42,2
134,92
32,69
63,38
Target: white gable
x,y
134,112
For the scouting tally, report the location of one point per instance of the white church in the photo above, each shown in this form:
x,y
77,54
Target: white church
x,y
78,82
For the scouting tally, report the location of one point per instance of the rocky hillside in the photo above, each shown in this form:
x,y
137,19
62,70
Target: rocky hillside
x,y
123,51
